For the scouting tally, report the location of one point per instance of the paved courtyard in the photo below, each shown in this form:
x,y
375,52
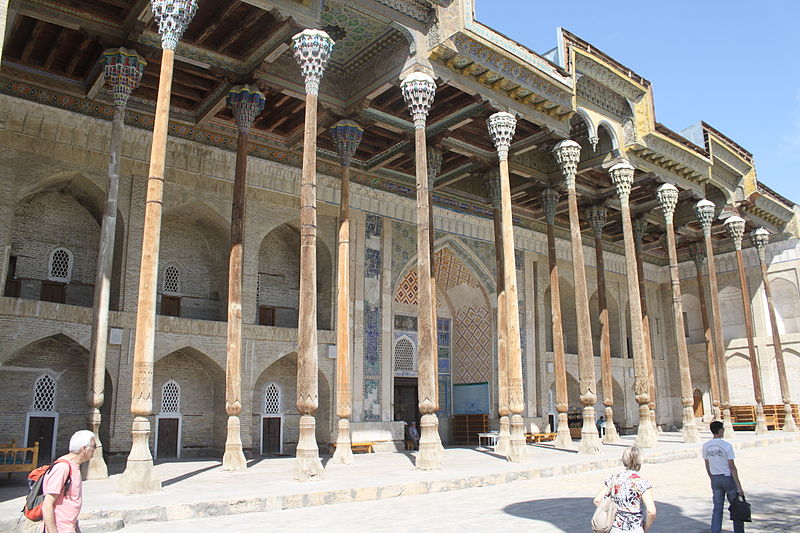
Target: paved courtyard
x,y
475,489
771,477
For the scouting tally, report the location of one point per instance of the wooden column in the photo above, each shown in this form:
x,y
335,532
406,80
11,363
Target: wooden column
x,y
504,440
123,70
567,154
346,135
549,200
246,103
312,48
704,209
597,216
501,127
698,255
735,226
639,229
622,177
667,195
434,163
418,91
760,238
172,17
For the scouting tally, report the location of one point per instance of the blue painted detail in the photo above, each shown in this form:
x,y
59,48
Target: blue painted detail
x,y
372,263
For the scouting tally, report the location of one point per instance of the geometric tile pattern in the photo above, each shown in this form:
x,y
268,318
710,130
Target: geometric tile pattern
x,y
472,352
449,270
372,321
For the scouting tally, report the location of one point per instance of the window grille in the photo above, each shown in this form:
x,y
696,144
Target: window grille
x,y
44,394
171,397
272,399
171,280
404,355
60,268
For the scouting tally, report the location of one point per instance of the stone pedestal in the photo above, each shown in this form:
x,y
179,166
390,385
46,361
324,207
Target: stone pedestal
x,y
307,465
234,458
139,476
343,454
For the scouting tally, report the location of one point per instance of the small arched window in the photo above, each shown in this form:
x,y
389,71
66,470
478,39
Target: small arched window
x,y
171,397
172,280
60,265
405,359
272,399
44,394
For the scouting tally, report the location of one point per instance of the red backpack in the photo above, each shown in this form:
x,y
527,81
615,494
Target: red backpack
x,y
35,498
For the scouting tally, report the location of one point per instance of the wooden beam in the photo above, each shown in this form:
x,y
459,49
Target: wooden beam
x,y
34,36
216,18
78,55
48,64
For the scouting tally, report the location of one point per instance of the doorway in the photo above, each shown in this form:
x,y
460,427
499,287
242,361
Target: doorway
x,y
42,429
699,411
406,401
167,433
271,441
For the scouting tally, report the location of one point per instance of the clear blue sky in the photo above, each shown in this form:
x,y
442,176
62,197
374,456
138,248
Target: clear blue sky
x,y
732,63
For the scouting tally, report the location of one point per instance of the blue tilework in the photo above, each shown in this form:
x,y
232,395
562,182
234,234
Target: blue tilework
x,y
372,263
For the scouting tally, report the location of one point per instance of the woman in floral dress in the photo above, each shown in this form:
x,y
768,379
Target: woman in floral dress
x,y
629,490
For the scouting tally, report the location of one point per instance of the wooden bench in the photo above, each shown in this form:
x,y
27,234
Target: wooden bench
x,y
777,414
535,438
15,459
359,447
743,417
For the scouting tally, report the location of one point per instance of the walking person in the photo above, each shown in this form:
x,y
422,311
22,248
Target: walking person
x,y
63,487
628,490
721,469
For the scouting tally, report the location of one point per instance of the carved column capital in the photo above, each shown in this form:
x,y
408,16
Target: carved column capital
x,y
667,195
622,178
245,102
123,70
550,199
698,254
312,49
760,238
492,181
567,154
346,135
173,17
434,164
501,129
597,216
418,91
735,228
704,210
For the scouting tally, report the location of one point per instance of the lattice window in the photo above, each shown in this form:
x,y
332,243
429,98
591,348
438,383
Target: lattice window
x,y
404,359
172,280
258,289
44,394
171,397
60,267
272,400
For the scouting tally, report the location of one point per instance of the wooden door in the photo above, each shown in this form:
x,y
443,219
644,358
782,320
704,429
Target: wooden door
x,y
170,305
699,411
42,429
406,401
53,292
167,438
266,315
271,436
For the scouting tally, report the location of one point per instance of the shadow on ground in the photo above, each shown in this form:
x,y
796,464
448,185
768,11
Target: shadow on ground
x,y
670,518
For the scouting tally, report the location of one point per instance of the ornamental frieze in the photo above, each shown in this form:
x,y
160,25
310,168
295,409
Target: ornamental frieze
x,y
511,70
603,97
605,75
688,159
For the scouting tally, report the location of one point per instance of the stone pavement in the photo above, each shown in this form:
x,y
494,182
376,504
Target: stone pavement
x,y
196,489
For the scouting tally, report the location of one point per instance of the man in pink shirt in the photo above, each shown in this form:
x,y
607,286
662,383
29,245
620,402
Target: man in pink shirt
x,y
62,505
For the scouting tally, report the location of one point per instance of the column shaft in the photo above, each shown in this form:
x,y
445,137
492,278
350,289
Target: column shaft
x,y
308,465
102,292
504,440
719,343
563,438
139,475
761,422
233,458
687,399
648,345
709,343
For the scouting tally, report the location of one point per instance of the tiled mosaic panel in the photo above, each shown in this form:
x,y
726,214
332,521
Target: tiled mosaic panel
x,y
472,354
405,323
404,247
444,393
450,272
372,322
